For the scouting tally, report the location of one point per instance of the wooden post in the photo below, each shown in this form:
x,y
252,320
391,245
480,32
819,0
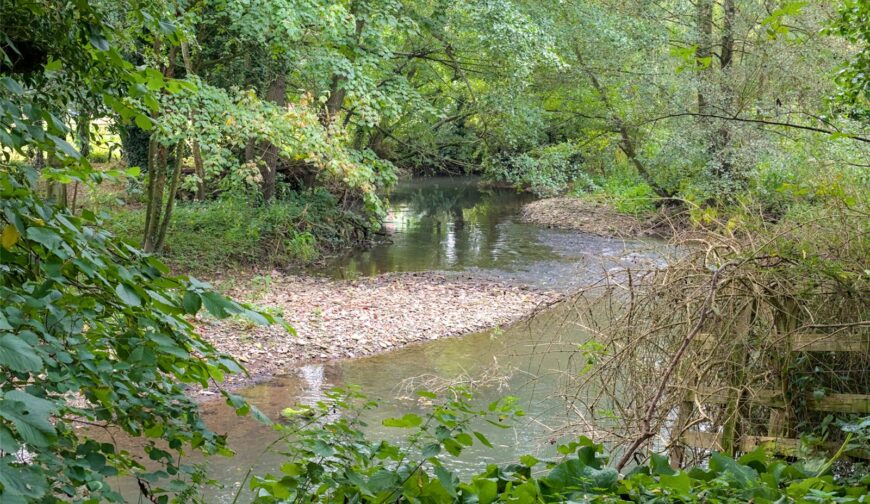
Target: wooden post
x,y
737,377
785,323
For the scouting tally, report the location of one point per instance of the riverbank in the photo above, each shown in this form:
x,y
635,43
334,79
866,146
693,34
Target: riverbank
x,y
586,216
339,319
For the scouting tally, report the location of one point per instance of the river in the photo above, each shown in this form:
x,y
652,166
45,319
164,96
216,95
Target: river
x,y
449,224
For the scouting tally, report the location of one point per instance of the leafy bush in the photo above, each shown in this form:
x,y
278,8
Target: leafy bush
x,y
546,171
627,192
233,230
93,332
331,460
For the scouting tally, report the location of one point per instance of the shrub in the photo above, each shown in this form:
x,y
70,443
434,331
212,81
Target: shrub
x,y
628,193
206,236
546,171
331,460
94,332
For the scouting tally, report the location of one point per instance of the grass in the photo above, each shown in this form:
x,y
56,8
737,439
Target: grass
x,y
231,232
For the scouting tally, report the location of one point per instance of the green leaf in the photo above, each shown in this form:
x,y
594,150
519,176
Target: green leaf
x,y
21,484
660,465
12,85
382,481
321,449
30,416
7,441
144,122
483,439
17,355
255,317
128,295
65,147
464,439
191,302
45,237
409,420
486,490
218,305
529,460
166,27
431,450
53,65
447,479
681,483
98,40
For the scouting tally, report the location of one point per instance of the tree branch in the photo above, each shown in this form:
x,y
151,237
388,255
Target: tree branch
x,y
757,121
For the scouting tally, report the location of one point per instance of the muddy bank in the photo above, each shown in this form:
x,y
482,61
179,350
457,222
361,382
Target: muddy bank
x,y
586,216
346,319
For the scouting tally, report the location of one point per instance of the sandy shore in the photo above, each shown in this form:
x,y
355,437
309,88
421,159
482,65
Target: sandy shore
x,y
345,319
582,215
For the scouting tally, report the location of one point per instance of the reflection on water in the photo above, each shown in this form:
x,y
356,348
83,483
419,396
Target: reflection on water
x,y
452,224
527,360
446,224
449,224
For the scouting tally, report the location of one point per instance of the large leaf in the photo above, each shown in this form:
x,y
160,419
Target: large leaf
x,y
18,355
46,237
128,295
30,415
406,422
573,474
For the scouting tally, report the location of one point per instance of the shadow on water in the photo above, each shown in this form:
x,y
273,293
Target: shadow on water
x,y
450,225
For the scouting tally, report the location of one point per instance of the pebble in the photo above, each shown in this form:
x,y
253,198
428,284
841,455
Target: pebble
x,y
347,319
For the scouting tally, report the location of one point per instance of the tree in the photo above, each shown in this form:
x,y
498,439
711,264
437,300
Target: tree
x,y
92,331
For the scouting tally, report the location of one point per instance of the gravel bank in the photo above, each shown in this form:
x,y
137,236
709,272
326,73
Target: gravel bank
x,y
582,215
346,319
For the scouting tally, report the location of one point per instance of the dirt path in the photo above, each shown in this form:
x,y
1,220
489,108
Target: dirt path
x,y
346,319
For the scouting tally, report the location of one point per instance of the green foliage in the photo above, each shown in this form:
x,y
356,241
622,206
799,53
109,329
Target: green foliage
x,y
223,123
331,460
626,191
93,332
853,79
135,145
546,171
236,231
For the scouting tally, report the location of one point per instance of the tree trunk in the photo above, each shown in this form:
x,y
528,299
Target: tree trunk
x,y
704,47
83,129
170,200
626,143
198,167
336,92
722,139
269,169
56,191
151,162
157,182
335,100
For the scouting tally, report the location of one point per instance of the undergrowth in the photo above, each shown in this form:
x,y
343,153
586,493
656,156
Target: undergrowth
x,y
330,459
230,231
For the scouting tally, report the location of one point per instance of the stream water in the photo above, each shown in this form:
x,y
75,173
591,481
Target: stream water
x,y
449,225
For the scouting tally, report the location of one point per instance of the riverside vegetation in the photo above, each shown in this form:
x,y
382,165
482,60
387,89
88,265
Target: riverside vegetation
x,y
257,134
